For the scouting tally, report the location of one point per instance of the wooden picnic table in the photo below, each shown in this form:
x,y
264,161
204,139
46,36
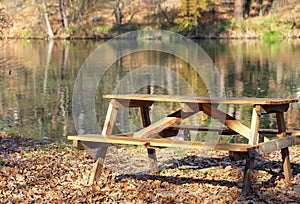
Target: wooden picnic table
x,y
153,135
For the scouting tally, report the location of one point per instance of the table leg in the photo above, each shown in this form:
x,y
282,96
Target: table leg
x,y
254,137
248,176
152,161
285,151
151,152
101,152
98,165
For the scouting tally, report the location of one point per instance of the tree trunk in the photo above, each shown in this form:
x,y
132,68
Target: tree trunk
x,y
63,14
118,13
238,9
49,29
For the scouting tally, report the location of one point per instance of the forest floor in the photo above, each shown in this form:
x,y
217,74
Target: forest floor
x,y
34,172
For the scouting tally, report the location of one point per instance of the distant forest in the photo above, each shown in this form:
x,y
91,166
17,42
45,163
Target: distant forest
x,y
107,18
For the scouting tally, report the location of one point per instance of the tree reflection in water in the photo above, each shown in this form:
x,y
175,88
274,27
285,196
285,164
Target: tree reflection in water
x,y
36,96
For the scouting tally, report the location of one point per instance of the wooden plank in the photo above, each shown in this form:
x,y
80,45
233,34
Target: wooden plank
x,y
84,145
254,135
98,165
145,116
229,131
151,142
121,103
259,149
227,120
264,109
158,126
194,99
155,128
101,152
107,139
151,152
285,151
203,128
152,161
276,144
253,139
248,173
191,107
110,118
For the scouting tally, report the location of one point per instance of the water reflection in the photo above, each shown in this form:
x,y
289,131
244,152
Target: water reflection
x,y
39,89
36,96
255,69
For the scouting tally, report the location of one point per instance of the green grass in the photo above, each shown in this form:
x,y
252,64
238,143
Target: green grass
x,y
271,37
206,173
163,171
102,28
24,34
181,152
223,25
61,147
45,149
29,156
79,152
41,152
185,171
14,133
2,163
129,146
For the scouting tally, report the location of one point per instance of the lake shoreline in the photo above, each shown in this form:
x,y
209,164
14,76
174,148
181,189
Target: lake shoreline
x,y
202,37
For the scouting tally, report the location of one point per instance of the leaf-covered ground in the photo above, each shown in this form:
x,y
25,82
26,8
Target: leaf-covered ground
x,y
32,172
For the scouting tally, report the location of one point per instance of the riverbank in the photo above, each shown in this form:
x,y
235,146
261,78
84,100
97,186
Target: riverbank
x,y
32,171
99,20
269,29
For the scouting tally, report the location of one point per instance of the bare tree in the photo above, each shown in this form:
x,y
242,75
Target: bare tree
x,y
238,9
63,14
49,29
118,12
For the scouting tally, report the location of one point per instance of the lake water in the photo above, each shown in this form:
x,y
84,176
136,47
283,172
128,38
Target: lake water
x,y
37,86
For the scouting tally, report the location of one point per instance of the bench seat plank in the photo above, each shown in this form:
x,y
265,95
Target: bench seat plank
x,y
261,148
149,142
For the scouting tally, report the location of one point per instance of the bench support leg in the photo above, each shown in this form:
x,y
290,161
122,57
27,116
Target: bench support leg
x,y
98,165
286,164
254,137
152,161
151,152
285,151
101,152
248,172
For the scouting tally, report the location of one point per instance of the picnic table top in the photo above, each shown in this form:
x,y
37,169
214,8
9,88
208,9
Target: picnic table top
x,y
195,99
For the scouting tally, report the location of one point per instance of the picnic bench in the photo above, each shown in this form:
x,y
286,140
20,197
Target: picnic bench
x,y
155,135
